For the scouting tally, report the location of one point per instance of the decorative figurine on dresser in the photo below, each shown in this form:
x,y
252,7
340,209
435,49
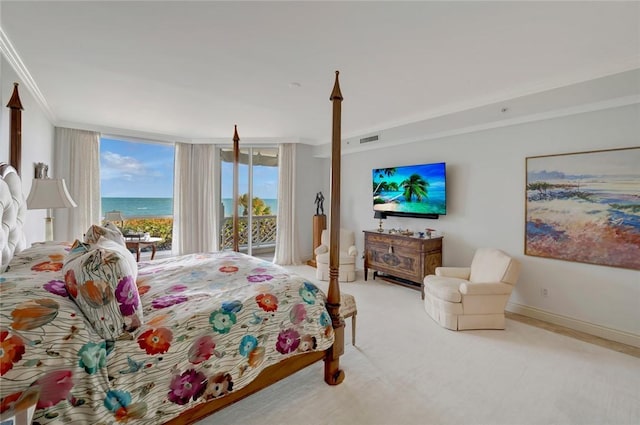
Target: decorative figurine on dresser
x,y
405,259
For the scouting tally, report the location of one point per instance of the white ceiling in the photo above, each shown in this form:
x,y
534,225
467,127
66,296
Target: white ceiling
x,y
408,70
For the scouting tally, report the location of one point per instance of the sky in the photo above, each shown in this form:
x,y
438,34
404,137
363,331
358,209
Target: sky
x,y
145,170
265,181
136,170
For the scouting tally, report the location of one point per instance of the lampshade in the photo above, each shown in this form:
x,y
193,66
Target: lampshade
x,y
114,216
379,215
49,193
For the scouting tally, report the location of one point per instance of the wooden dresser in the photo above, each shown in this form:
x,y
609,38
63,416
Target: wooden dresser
x,y
404,260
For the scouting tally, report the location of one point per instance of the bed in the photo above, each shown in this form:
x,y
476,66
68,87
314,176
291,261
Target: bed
x,y
97,338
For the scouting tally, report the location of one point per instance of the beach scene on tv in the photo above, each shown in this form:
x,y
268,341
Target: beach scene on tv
x,y
411,189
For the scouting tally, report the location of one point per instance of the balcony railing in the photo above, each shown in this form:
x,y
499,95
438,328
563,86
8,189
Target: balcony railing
x,y
263,235
263,238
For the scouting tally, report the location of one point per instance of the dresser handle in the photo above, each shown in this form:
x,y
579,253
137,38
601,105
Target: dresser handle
x,y
390,250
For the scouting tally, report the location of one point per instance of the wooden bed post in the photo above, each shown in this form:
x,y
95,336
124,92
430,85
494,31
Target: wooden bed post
x,y
333,375
236,158
15,132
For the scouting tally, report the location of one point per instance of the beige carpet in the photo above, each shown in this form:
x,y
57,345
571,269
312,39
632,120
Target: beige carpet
x,y
406,369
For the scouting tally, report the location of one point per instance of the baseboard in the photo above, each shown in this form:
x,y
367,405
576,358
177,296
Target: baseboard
x,y
578,325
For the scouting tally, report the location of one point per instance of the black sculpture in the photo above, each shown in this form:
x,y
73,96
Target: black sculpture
x,y
319,200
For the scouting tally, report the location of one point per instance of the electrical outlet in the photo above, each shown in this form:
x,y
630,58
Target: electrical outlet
x,y
544,292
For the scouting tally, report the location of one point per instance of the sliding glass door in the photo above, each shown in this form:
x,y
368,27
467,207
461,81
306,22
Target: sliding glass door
x,y
257,199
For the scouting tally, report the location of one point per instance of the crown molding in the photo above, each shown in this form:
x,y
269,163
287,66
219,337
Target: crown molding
x,y
505,96
323,151
7,49
541,116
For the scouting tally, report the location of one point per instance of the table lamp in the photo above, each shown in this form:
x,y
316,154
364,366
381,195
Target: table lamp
x,y
115,216
48,194
381,216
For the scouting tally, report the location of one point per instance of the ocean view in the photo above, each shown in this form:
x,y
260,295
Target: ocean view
x,y
161,207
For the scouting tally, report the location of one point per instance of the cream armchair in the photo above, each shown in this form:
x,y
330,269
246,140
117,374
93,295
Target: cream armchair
x,y
348,253
472,297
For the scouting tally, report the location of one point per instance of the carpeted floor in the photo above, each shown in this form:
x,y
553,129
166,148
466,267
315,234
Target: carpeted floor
x,y
405,369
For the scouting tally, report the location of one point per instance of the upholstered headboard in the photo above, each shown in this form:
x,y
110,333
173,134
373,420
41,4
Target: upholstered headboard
x,y
13,210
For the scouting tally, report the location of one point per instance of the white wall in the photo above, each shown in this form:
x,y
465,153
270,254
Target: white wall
x,y
486,180
37,142
311,178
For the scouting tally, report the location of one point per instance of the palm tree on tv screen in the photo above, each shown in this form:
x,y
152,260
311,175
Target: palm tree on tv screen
x,y
416,186
381,173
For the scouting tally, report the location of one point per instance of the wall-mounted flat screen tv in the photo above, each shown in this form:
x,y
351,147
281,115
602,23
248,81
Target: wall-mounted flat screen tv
x,y
411,190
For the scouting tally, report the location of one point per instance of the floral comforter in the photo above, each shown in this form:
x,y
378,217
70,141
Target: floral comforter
x,y
211,323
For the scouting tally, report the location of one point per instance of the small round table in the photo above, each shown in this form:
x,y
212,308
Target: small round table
x,y
138,244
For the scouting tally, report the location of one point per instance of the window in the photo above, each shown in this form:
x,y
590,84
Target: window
x,y
136,178
258,182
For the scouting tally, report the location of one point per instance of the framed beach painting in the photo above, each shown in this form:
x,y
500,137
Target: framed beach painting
x,y
585,207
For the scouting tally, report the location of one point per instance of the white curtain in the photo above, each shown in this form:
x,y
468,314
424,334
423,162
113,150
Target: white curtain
x,y
195,221
77,161
287,251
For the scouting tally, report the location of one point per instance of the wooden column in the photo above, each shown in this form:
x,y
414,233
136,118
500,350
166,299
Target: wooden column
x,y
319,224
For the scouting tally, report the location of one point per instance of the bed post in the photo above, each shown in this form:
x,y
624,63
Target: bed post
x,y
15,136
236,158
333,375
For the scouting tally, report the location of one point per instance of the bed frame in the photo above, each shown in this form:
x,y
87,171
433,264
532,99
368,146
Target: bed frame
x,y
333,375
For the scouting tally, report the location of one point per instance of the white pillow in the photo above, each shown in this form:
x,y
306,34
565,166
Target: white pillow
x,y
109,244
109,231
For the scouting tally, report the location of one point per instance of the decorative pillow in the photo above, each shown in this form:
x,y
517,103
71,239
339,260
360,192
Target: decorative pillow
x,y
78,248
109,231
102,282
123,251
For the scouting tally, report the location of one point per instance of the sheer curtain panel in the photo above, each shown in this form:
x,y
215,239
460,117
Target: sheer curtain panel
x,y
195,221
77,161
286,240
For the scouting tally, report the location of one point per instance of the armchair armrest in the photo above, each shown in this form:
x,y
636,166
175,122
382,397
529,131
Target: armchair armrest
x,y
321,249
353,251
492,288
458,272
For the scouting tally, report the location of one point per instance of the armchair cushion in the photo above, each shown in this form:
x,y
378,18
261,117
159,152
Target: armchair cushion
x,y
444,288
343,258
321,249
459,272
491,265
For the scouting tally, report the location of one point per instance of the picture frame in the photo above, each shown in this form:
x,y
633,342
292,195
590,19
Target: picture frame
x,y
584,207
